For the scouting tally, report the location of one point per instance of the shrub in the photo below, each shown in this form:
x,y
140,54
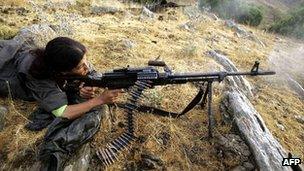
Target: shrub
x,y
241,11
252,16
291,23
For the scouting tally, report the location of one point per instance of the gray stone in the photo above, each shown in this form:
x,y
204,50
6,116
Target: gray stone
x,y
294,85
241,32
187,26
37,34
149,161
300,119
280,126
128,43
146,14
237,81
266,150
231,24
239,168
104,10
62,4
81,160
192,12
233,146
248,166
3,112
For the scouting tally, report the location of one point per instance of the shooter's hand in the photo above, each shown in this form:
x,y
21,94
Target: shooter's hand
x,y
109,96
87,92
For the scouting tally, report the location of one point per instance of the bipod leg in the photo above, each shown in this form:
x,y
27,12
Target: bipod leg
x,y
204,99
211,121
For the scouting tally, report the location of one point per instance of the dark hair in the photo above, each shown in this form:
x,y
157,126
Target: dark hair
x,y
61,54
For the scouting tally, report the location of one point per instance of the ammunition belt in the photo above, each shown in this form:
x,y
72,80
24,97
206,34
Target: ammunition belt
x,y
109,154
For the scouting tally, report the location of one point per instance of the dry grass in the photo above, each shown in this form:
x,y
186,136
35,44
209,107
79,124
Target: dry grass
x,y
13,2
106,35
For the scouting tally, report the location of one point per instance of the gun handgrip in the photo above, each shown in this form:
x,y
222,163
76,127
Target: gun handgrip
x,y
156,63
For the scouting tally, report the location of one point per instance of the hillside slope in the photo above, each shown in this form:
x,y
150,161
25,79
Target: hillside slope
x,y
181,37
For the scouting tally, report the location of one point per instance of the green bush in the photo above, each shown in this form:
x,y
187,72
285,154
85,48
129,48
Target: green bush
x,y
241,11
252,16
291,23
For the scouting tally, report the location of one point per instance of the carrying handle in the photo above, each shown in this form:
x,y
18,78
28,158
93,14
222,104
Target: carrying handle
x,y
156,63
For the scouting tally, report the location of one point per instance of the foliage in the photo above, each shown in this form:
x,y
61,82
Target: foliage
x,y
291,23
252,17
244,13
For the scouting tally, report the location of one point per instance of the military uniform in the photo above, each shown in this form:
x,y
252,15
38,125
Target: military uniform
x,y
63,136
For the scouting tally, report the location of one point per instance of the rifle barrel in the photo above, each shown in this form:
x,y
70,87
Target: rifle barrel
x,y
216,74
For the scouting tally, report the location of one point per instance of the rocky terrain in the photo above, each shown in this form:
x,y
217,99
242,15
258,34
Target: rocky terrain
x,y
116,34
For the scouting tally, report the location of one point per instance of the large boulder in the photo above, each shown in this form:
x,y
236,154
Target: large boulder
x,y
37,34
146,14
267,151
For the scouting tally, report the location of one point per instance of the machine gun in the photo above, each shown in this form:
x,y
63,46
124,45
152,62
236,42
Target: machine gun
x,y
136,80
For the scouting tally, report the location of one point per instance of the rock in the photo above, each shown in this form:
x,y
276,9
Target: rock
x,y
99,10
267,151
237,28
239,168
241,32
62,4
146,14
300,119
192,12
131,166
281,127
213,16
232,146
194,155
187,26
238,81
149,161
164,138
81,160
3,112
294,85
248,166
128,43
37,34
